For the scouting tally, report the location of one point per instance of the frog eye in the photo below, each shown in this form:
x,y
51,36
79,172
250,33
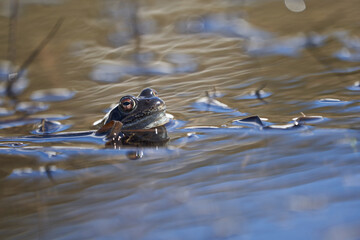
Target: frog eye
x,y
127,103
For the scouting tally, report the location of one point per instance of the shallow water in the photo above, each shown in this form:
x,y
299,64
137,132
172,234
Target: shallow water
x,y
217,177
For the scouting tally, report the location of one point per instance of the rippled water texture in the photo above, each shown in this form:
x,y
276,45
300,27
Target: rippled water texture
x,y
292,173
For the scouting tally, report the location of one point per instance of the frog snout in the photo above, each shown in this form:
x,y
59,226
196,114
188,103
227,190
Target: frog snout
x,y
155,103
160,104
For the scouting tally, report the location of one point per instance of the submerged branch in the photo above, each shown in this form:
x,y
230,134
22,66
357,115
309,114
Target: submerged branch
x,y
14,6
14,77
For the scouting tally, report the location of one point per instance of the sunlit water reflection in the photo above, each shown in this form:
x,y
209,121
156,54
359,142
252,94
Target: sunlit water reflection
x,y
293,173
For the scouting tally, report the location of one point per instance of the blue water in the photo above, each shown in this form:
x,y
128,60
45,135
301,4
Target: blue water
x,y
292,174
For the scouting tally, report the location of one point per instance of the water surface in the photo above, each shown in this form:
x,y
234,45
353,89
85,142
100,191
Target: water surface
x,y
217,177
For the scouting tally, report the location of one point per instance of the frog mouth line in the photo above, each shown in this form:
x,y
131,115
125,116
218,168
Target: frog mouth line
x,y
146,120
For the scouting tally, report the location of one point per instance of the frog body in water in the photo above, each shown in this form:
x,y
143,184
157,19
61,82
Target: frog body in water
x,y
142,112
136,121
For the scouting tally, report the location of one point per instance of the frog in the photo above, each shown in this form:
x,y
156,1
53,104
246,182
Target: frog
x,y
134,114
145,111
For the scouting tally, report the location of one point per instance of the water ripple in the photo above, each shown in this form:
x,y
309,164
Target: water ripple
x,y
52,95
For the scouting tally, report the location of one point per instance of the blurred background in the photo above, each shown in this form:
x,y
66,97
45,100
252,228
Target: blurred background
x,y
216,178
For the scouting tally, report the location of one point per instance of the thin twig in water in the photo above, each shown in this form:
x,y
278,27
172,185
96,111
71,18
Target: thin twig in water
x,y
14,77
334,17
258,93
49,174
135,31
326,64
14,6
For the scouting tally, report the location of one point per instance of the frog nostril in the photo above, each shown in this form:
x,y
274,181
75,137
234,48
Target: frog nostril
x,y
159,103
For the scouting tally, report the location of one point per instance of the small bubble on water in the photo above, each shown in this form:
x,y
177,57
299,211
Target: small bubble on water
x,y
295,5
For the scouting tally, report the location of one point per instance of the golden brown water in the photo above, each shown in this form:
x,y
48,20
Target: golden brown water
x,y
229,182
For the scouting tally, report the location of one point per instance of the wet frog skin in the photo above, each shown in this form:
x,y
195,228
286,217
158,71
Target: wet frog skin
x,y
136,121
142,112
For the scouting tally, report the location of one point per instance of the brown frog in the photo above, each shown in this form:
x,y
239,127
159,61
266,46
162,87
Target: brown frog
x,y
142,112
136,121
134,114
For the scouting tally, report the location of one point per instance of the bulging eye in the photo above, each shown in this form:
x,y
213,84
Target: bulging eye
x,y
127,104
